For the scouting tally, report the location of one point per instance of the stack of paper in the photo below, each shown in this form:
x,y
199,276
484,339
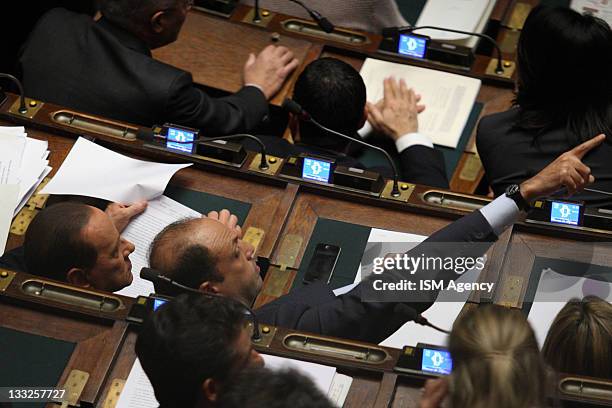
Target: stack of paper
x,y
23,166
463,15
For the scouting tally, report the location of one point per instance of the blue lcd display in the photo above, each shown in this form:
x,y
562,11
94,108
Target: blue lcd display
x,y
157,303
412,45
436,361
317,170
180,135
565,213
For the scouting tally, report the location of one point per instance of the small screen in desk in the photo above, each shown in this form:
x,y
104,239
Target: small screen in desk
x,y
565,213
436,361
157,303
317,170
412,45
180,135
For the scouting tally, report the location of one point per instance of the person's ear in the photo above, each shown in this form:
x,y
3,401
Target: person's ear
x,y
157,22
294,127
77,277
208,287
210,389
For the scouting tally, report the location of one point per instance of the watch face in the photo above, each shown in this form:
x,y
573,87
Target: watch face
x,y
513,189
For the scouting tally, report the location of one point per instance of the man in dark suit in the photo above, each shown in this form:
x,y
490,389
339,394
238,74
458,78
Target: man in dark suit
x,y
105,67
334,94
208,254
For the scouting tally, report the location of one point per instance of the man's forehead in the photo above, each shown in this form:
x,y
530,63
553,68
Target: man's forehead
x,y
99,228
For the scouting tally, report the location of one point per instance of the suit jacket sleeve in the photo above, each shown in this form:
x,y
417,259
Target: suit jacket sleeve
x,y
237,113
423,165
315,308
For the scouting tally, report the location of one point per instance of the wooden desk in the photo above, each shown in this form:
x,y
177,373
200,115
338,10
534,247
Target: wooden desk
x,y
215,51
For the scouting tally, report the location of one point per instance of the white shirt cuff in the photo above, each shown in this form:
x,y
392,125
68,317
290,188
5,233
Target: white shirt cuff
x,y
412,139
365,130
500,213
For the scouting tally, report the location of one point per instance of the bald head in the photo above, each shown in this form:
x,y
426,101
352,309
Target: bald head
x,y
207,255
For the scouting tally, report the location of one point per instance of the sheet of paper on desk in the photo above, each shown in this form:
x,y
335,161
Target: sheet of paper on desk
x,y
463,15
448,97
137,391
8,201
553,292
95,171
12,146
331,383
161,212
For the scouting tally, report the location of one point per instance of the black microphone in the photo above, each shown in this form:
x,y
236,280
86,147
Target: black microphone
x,y
155,276
321,21
412,315
148,135
295,108
256,16
22,105
393,31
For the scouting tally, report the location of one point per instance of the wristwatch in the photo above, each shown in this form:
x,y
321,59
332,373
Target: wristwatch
x,y
514,192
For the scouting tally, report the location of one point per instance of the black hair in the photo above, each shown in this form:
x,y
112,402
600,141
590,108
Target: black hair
x,y
194,263
255,388
54,241
129,12
187,341
334,94
564,71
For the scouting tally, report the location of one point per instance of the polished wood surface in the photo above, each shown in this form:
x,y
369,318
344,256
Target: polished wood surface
x,y
215,51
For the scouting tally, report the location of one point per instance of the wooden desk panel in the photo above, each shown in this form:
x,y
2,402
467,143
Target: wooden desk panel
x,y
215,50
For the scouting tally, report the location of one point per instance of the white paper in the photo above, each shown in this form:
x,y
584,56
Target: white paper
x,y
597,8
448,98
141,231
12,146
554,291
26,196
339,389
463,15
8,200
137,391
321,375
95,171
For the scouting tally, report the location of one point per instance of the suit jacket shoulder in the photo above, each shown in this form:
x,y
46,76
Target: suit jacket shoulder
x,y
100,68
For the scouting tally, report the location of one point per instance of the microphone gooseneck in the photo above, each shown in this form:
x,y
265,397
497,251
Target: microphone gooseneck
x,y
155,276
321,21
498,70
295,108
147,135
22,105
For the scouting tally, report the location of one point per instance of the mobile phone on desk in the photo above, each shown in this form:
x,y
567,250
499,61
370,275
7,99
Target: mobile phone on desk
x,y
322,263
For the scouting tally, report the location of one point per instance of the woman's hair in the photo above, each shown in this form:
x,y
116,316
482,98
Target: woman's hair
x,y
496,361
580,338
564,73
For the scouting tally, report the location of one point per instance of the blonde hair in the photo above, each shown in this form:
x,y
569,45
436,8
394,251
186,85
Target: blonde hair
x,y
580,338
496,361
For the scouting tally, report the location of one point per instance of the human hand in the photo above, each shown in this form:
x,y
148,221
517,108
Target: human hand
x,y
434,393
121,214
269,69
566,171
396,114
227,218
